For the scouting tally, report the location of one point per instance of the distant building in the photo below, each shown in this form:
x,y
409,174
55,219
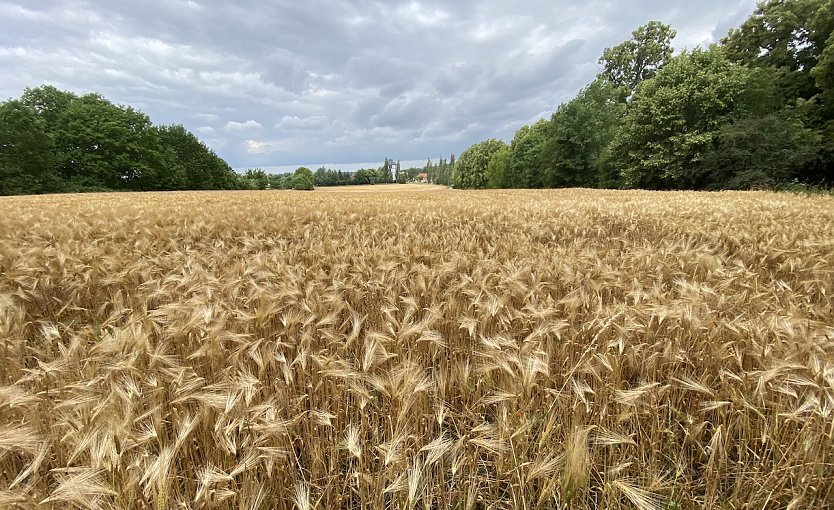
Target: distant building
x,y
422,177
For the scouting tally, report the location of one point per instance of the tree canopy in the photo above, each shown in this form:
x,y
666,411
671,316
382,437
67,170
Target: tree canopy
x,y
580,131
26,152
674,118
53,140
471,168
303,179
639,58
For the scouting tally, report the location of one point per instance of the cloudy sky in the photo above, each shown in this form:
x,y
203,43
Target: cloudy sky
x,y
275,83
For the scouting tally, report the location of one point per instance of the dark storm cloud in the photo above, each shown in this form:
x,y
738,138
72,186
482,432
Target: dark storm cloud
x,y
283,82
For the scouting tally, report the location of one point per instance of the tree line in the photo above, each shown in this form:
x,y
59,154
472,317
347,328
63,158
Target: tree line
x,y
755,110
56,141
303,178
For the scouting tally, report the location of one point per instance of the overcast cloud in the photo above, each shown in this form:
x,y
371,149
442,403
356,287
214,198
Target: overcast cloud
x,y
274,83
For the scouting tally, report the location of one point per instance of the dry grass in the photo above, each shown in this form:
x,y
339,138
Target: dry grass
x,y
445,349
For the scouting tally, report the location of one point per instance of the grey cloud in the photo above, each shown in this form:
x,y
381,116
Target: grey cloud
x,y
290,123
281,82
391,76
285,69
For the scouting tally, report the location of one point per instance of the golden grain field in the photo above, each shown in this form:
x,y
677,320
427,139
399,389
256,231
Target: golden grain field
x,y
433,349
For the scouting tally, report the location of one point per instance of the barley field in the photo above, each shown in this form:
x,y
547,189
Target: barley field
x,y
417,349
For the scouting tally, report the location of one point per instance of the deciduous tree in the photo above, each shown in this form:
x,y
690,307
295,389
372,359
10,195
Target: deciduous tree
x,y
302,179
674,118
580,131
639,58
26,152
202,167
104,145
471,168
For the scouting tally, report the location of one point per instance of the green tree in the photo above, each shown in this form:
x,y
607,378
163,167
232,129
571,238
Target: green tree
x,y
384,174
172,174
497,168
302,179
104,145
278,181
674,118
93,144
364,176
321,177
523,168
823,74
580,131
639,58
258,178
402,174
760,151
26,152
795,38
201,167
431,170
788,35
446,178
471,168
48,102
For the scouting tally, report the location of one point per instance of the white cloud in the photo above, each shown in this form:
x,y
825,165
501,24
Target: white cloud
x,y
236,128
269,146
293,123
424,15
206,117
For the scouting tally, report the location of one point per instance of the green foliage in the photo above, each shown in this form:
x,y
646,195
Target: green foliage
x,y
757,111
470,170
609,176
279,181
201,167
399,176
788,35
441,173
760,152
364,176
26,152
302,179
581,130
524,166
53,140
794,38
673,120
384,174
102,144
402,177
823,74
329,177
497,168
639,58
48,102
255,178
412,173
